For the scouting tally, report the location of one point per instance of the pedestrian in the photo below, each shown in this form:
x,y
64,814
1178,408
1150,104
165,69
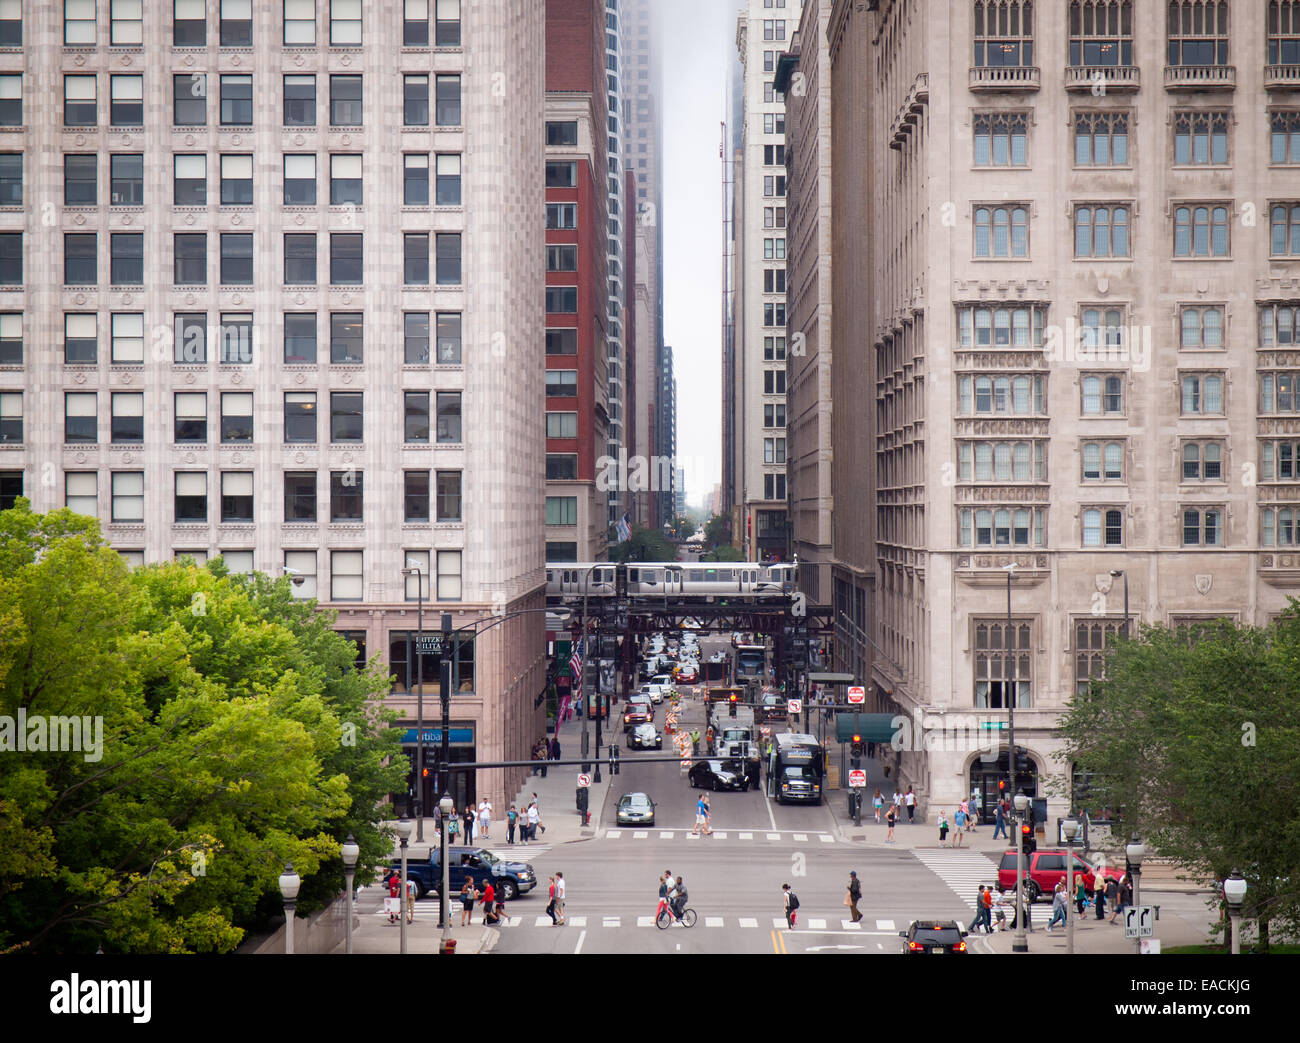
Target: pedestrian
x,y
853,896
470,821
550,902
999,907
1080,896
986,909
467,898
699,816
512,820
891,816
1112,896
1059,901
909,799
1125,896
485,819
695,741
1099,896
489,896
898,797
534,820
959,820
394,903
543,754
1000,823
943,829
536,755
791,901
555,748
559,898
708,816
878,802
453,825
973,810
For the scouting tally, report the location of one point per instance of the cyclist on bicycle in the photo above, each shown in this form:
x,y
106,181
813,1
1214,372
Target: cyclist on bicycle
x,y
678,898
665,888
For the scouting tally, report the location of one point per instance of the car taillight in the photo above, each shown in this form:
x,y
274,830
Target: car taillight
x,y
915,946
959,947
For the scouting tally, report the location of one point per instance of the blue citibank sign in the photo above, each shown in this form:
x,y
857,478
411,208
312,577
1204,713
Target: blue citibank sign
x,y
434,735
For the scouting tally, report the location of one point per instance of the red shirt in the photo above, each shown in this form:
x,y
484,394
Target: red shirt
x,y
488,895
394,886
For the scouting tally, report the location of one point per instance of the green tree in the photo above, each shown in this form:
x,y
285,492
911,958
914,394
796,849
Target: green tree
x,y
235,737
1195,735
643,545
717,530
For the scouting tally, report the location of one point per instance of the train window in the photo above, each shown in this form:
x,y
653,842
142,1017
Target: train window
x,y
695,575
633,575
649,576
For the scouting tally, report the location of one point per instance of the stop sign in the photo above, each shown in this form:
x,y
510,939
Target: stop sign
x,y
857,694
857,779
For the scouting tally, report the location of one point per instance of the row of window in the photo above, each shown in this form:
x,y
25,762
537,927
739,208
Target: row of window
x,y
235,23
1201,394
1103,461
1199,326
1199,230
1104,526
346,420
1101,138
235,100
1100,33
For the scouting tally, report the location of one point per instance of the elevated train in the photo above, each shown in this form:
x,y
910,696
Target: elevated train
x,y
681,580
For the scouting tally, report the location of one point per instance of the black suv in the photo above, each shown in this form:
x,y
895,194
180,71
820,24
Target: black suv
x,y
934,936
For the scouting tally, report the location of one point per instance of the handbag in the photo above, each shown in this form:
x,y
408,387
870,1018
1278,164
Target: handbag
x,y
848,901
392,905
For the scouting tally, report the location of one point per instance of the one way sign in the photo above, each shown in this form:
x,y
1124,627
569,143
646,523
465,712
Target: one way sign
x,y
1140,922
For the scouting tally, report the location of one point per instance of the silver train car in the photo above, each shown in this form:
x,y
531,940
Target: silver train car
x,y
687,579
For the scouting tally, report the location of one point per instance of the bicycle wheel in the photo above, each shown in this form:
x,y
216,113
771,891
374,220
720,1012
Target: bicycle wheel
x,y
664,920
688,917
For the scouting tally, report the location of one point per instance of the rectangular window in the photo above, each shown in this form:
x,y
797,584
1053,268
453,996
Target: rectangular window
x,y
1101,33
1202,394
300,258
236,101
1284,128
561,215
345,23
1203,527
448,406
347,337
1279,461
300,100
301,567
236,23
562,300
126,23
346,577
1201,327
1101,139
447,23
236,334
191,337
236,416
300,337
345,101
1101,231
1202,462
417,583
128,496
1004,34
11,338
1103,527
346,258
561,425
1000,139
1278,324
300,23
415,258
236,180
561,342
1279,526
80,108
346,416
447,246
449,573
11,100
1284,229
190,258
191,417
126,258
415,100
415,410
415,338
562,383
81,492
79,259
11,417
561,466
80,179
1201,138
80,339
561,174
236,496
774,382
190,99
189,23
300,416
1201,231
447,100
449,496
1103,395
236,258
1001,231
126,101
190,179
11,482
561,510
415,180
346,496
127,339
300,179
415,496
78,23
190,502
11,258
126,179
415,23
561,132
1198,32
448,179
300,496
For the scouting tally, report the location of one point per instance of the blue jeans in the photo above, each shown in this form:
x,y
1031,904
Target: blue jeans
x,y
1001,827
1058,916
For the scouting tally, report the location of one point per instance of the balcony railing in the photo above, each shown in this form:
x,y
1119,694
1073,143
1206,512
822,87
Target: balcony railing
x,y
1281,77
1201,77
1004,78
1107,77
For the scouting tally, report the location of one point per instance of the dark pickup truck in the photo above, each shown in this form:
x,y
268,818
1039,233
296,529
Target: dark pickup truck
x,y
510,879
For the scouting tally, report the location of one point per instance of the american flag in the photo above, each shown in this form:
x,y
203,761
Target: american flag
x,y
575,666
624,529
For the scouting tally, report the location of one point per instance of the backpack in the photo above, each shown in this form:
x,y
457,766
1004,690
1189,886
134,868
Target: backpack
x,y
855,890
794,901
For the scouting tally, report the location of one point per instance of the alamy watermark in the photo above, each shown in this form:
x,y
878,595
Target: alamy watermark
x,y
947,733
1077,344
38,733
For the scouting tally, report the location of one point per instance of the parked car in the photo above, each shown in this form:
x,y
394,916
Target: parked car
x,y
1045,868
510,879
717,775
931,937
644,737
636,809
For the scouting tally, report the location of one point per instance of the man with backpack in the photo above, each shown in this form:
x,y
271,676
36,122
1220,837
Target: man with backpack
x,y
854,896
791,906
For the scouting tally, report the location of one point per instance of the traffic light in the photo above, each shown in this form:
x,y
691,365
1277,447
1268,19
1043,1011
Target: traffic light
x,y
731,704
856,751
1002,787
1022,759
1027,843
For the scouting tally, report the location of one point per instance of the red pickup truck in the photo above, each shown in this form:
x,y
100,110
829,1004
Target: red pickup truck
x,y
1045,868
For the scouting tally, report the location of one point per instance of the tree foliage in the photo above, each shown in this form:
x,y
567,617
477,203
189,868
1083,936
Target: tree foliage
x,y
1195,734
237,736
643,545
717,531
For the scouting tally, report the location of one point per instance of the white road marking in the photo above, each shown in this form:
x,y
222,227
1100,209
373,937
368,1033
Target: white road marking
x,y
581,938
577,921
714,921
542,921
666,835
885,925
800,838
720,836
774,836
849,925
770,817
962,870
613,834
779,923
826,838
641,834
816,925
645,921
612,921
745,836
748,921
692,836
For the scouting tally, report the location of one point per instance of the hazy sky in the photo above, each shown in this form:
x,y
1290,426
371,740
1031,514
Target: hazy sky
x,y
696,72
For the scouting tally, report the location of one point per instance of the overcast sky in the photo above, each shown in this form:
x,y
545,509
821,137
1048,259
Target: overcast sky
x,y
697,65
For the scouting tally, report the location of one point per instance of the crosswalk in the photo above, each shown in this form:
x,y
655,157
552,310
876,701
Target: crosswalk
x,y
963,871
710,922
760,835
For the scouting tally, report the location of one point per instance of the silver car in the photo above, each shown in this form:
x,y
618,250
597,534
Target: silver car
x,y
644,737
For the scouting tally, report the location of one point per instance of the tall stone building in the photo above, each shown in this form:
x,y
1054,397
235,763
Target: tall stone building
x,y
270,290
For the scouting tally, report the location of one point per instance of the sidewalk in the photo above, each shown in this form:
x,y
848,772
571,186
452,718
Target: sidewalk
x,y
557,792
1090,935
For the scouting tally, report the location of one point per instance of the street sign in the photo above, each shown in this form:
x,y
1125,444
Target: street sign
x,y
857,778
856,694
1140,922
584,780
429,644
993,726
794,706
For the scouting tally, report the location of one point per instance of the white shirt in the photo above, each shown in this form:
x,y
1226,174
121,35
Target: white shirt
x,y
533,817
898,797
559,887
910,799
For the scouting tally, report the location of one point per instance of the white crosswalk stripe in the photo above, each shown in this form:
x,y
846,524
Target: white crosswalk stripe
x,y
714,921
645,921
962,871
748,921
885,925
849,925
779,923
826,838
817,925
744,836
717,835
613,922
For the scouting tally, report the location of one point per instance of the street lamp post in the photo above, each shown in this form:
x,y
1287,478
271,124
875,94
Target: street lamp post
x,y
414,570
403,835
1020,943
446,806
290,881
1008,662
1135,852
1115,574
351,850
1234,891
1071,827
